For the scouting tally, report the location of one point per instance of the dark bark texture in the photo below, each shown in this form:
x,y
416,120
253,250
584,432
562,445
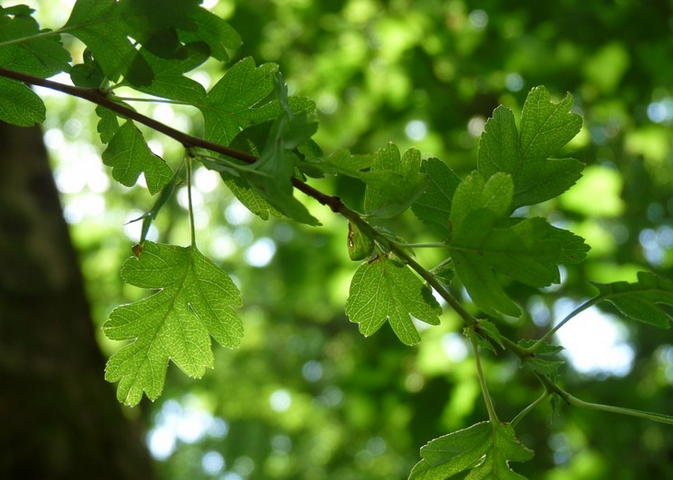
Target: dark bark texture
x,y
59,419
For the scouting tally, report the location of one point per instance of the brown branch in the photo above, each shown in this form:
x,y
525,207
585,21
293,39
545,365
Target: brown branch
x,y
99,98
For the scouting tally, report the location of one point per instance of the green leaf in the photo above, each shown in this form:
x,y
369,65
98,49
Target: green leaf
x,y
434,207
19,105
641,300
545,360
107,125
403,185
239,100
484,243
360,244
273,172
488,329
128,155
43,56
482,451
214,31
545,127
384,289
195,300
98,24
169,80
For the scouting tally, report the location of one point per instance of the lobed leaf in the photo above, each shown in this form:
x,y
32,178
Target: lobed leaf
x,y
482,452
545,127
239,100
128,155
641,300
402,184
195,301
485,243
384,289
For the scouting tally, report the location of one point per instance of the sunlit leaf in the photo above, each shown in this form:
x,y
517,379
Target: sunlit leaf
x,y
128,155
196,300
384,289
239,100
404,181
545,127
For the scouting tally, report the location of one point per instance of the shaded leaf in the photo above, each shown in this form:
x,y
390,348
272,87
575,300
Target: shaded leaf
x,y
434,207
97,24
641,300
385,290
195,301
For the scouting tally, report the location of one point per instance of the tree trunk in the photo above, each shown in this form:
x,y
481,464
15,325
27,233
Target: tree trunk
x,y
59,419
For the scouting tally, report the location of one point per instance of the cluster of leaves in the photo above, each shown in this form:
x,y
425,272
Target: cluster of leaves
x,y
149,46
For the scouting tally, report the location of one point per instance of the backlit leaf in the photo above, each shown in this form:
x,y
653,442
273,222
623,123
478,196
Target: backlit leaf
x,y
485,243
128,155
384,289
545,127
196,300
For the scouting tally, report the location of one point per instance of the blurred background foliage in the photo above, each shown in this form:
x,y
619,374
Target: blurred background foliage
x,y
306,396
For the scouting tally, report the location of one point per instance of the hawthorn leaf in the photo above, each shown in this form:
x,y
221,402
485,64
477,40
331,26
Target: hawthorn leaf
x,y
97,24
485,243
108,124
43,56
169,80
196,300
214,31
273,172
384,289
545,127
482,452
641,300
434,207
19,105
128,155
238,100
404,182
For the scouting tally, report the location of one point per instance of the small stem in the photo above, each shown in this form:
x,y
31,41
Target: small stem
x,y
423,245
572,400
153,100
530,408
492,417
189,200
550,333
43,34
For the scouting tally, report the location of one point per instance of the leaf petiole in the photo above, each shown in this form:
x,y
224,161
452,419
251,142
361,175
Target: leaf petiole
x,y
530,408
588,304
